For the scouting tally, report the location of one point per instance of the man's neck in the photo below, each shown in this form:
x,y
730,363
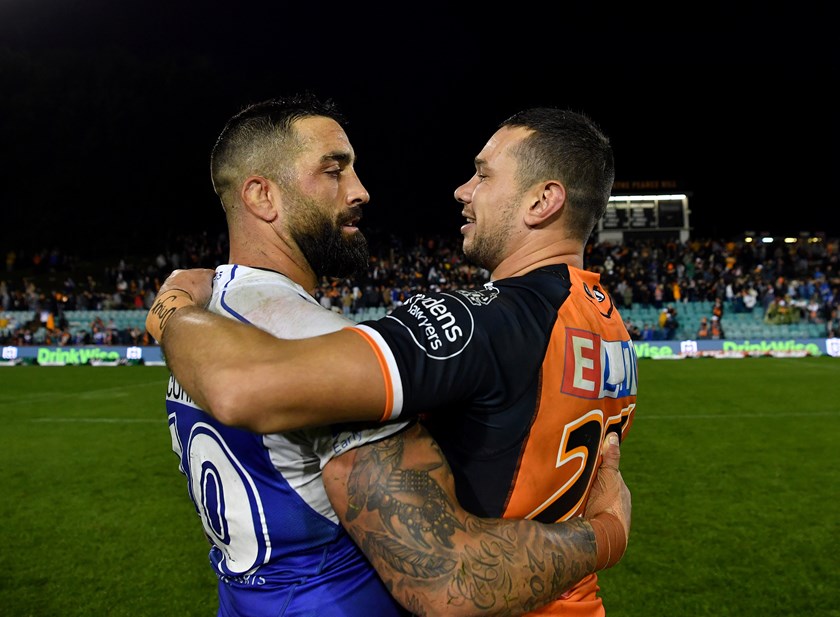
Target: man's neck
x,y
528,258
275,258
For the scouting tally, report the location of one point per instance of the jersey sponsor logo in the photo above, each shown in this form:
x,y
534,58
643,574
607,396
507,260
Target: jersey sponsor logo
x,y
441,325
176,392
346,440
480,298
596,368
346,436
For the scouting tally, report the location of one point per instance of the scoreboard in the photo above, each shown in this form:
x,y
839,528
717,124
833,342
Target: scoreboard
x,y
630,216
645,214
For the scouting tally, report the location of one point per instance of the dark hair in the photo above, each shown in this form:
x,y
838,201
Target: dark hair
x,y
259,140
569,147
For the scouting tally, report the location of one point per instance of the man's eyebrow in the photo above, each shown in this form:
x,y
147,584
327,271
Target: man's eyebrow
x,y
343,158
479,162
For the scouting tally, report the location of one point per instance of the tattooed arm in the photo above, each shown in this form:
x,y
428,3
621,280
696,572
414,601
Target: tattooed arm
x,y
397,500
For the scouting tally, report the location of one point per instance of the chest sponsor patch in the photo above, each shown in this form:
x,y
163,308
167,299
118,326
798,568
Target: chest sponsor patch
x,y
441,325
598,369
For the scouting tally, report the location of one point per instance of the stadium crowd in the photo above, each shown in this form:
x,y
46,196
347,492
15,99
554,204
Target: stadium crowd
x,y
786,282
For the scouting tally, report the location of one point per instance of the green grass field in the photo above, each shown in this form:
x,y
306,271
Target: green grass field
x,y
733,466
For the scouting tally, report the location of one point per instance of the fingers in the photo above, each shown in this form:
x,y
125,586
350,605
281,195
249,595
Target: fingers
x,y
181,288
611,451
605,493
609,506
197,282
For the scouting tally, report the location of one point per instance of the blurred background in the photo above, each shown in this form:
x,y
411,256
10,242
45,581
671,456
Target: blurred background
x,y
108,110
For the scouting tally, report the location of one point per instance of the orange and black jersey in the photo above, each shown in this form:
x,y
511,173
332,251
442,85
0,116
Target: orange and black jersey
x,y
518,382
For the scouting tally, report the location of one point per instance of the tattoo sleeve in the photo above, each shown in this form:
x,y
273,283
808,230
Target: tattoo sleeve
x,y
397,500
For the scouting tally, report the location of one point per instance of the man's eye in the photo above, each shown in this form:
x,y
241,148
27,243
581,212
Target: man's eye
x,y
480,177
334,172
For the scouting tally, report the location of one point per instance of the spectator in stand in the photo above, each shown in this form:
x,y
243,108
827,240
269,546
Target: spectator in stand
x,y
813,309
633,331
627,295
5,324
717,309
717,328
703,332
658,295
98,334
5,296
749,298
324,300
135,335
671,324
347,301
832,326
663,318
676,291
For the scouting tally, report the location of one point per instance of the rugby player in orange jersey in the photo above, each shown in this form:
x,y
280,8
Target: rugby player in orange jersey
x,y
519,380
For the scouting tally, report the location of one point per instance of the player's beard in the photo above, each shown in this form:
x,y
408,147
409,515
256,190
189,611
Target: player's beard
x,y
487,249
329,251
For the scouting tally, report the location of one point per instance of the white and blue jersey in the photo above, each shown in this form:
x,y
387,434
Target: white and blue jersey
x,y
277,546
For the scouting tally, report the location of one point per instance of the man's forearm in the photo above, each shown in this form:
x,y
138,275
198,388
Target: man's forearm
x,y
397,500
210,356
245,377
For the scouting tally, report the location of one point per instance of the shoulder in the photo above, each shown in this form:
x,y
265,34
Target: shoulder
x,y
442,325
271,301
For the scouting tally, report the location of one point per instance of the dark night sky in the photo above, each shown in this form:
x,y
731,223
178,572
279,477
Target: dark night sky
x,y
108,110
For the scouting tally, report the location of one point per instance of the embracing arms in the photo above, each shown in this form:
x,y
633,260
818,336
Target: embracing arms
x,y
246,377
395,497
397,500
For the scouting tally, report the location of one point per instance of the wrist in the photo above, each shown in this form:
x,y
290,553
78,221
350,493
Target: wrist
x,y
610,540
166,304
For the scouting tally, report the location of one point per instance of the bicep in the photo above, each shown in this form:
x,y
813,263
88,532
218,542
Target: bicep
x,y
322,380
245,377
396,499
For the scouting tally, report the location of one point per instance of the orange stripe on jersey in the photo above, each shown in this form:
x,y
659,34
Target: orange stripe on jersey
x,y
386,374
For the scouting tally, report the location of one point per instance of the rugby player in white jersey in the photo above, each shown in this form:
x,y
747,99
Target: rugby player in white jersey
x,y
272,505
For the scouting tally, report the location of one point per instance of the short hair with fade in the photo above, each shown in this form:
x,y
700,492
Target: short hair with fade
x,y
569,147
260,140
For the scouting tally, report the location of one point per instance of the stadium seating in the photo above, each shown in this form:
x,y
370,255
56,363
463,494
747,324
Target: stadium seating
x,y
365,314
735,325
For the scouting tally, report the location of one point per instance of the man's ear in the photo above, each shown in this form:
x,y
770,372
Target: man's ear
x,y
261,197
549,199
